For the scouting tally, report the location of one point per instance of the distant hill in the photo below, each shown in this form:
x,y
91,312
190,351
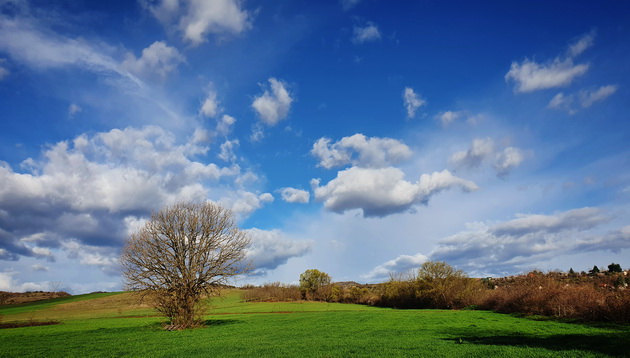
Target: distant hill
x,y
12,298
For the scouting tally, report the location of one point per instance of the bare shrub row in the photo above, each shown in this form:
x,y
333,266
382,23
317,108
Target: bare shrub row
x,y
602,298
546,295
271,292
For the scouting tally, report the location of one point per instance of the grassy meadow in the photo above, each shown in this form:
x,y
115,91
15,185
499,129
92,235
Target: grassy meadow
x,y
114,325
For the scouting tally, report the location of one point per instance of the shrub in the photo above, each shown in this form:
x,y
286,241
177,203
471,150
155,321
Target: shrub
x,y
271,292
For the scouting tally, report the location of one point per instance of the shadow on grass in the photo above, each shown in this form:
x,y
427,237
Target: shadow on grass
x,y
610,344
220,322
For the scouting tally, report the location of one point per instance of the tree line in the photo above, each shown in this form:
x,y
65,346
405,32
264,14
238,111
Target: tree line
x,y
187,252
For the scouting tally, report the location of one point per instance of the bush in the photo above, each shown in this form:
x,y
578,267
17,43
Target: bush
x,y
271,292
436,285
546,295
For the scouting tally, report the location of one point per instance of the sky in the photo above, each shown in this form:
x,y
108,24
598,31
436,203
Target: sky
x,y
357,137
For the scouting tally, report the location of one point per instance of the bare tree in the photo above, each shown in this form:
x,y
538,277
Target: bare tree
x,y
184,253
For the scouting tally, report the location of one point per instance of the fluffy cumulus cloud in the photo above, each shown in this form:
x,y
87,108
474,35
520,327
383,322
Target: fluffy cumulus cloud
x,y
158,59
367,33
532,76
225,125
227,150
361,151
383,191
412,101
273,106
10,284
494,248
448,117
584,98
270,249
293,195
196,19
93,189
401,264
210,105
243,202
483,150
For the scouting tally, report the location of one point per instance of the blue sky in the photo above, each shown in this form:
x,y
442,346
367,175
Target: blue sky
x,y
359,137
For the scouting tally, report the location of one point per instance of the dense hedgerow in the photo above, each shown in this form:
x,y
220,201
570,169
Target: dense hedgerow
x,y
586,299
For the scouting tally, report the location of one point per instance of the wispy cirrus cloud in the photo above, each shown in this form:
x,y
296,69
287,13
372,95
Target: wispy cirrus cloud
x,y
583,99
530,75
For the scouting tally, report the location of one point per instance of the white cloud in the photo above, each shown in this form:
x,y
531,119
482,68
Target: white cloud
x,y
9,284
349,4
210,106
227,150
584,98
243,202
4,73
587,98
448,117
257,134
401,264
563,102
292,195
532,76
505,246
359,150
382,192
273,107
73,109
412,101
266,197
270,249
25,41
88,189
225,124
367,33
479,151
583,43
483,150
508,159
157,59
39,268
197,19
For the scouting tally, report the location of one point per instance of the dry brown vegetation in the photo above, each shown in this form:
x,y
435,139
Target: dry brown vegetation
x,y
585,298
592,298
12,298
271,292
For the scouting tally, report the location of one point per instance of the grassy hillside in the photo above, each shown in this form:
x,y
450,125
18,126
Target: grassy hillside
x,y
113,325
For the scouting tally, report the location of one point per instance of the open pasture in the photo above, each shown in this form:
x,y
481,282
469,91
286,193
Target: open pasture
x,y
114,325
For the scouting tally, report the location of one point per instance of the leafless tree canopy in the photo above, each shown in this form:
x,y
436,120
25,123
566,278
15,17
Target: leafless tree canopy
x,y
183,253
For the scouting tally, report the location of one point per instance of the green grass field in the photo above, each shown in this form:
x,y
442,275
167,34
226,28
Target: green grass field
x,y
113,325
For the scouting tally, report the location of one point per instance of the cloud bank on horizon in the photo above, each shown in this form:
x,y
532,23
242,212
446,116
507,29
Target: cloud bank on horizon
x,y
359,138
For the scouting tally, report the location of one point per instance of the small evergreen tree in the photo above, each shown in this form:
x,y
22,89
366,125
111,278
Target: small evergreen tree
x,y
594,270
614,268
